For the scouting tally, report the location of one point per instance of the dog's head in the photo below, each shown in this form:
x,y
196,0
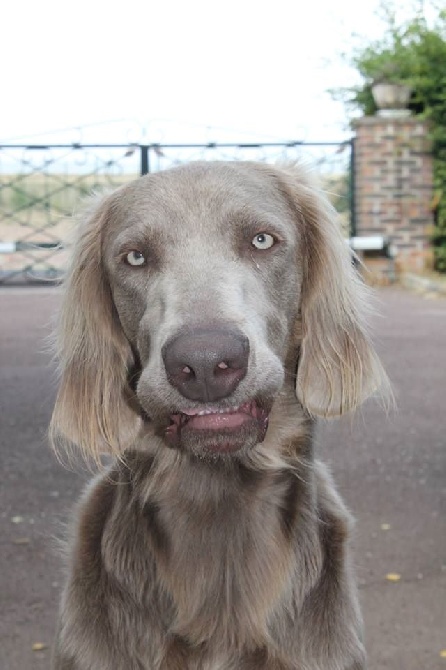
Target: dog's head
x,y
193,297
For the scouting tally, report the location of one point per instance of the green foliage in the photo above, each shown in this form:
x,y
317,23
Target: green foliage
x,y
411,52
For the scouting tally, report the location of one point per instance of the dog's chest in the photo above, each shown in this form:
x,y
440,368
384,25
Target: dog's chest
x,y
226,572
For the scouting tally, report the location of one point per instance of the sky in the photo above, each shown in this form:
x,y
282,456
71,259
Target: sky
x,y
175,71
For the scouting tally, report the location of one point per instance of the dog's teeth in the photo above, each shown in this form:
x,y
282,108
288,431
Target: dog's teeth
x,y
245,407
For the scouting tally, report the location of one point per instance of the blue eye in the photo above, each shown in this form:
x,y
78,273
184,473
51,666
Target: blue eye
x,y
263,241
135,258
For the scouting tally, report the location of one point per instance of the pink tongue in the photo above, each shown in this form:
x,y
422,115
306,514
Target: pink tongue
x,y
218,421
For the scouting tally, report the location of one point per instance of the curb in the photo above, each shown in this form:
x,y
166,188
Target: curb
x,y
422,284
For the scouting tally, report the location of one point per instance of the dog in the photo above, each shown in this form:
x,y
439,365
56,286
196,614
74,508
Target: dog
x,y
211,312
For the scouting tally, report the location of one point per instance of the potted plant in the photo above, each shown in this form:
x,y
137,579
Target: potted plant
x,y
390,86
388,74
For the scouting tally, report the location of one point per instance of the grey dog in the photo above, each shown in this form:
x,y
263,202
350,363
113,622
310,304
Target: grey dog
x,y
211,312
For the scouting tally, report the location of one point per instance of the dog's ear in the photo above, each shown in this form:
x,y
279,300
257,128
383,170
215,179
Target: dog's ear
x,y
338,367
94,356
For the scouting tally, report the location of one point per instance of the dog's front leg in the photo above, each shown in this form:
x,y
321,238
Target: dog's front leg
x,y
59,659
62,662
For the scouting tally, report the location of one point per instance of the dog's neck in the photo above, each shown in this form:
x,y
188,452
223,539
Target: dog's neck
x,y
214,519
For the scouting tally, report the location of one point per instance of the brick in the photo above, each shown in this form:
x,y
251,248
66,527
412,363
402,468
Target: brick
x,y
393,180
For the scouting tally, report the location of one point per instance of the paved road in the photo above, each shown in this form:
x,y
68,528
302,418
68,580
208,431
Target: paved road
x,y
391,470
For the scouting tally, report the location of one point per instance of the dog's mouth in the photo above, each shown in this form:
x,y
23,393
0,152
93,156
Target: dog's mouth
x,y
219,429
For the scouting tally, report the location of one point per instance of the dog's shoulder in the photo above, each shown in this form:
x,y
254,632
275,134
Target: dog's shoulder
x,y
332,608
331,507
91,516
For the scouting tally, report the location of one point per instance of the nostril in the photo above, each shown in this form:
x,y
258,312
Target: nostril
x,y
225,369
187,373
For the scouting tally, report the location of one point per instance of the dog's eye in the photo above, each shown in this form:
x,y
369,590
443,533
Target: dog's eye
x,y
135,258
263,241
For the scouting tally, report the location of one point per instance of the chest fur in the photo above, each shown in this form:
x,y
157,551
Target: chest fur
x,y
226,572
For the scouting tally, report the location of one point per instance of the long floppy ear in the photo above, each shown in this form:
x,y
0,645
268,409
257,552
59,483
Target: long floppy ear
x,y
338,367
91,409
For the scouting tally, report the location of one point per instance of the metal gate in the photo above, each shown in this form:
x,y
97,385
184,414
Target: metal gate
x,y
42,185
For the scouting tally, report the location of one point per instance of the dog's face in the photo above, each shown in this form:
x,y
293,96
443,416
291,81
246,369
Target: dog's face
x,y
201,289
204,272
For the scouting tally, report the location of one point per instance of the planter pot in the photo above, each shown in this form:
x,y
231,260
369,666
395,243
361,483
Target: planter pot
x,y
392,99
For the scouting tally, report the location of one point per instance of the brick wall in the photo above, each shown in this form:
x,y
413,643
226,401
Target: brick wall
x,y
394,184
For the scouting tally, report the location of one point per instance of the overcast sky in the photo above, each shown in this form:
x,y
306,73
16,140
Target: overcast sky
x,y
258,69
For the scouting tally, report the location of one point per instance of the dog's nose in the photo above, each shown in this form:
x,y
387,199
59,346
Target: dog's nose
x,y
206,364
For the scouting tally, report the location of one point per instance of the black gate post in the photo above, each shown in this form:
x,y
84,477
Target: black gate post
x,y
145,167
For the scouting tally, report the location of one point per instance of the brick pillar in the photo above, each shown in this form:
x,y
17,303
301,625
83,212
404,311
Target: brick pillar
x,y
394,185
